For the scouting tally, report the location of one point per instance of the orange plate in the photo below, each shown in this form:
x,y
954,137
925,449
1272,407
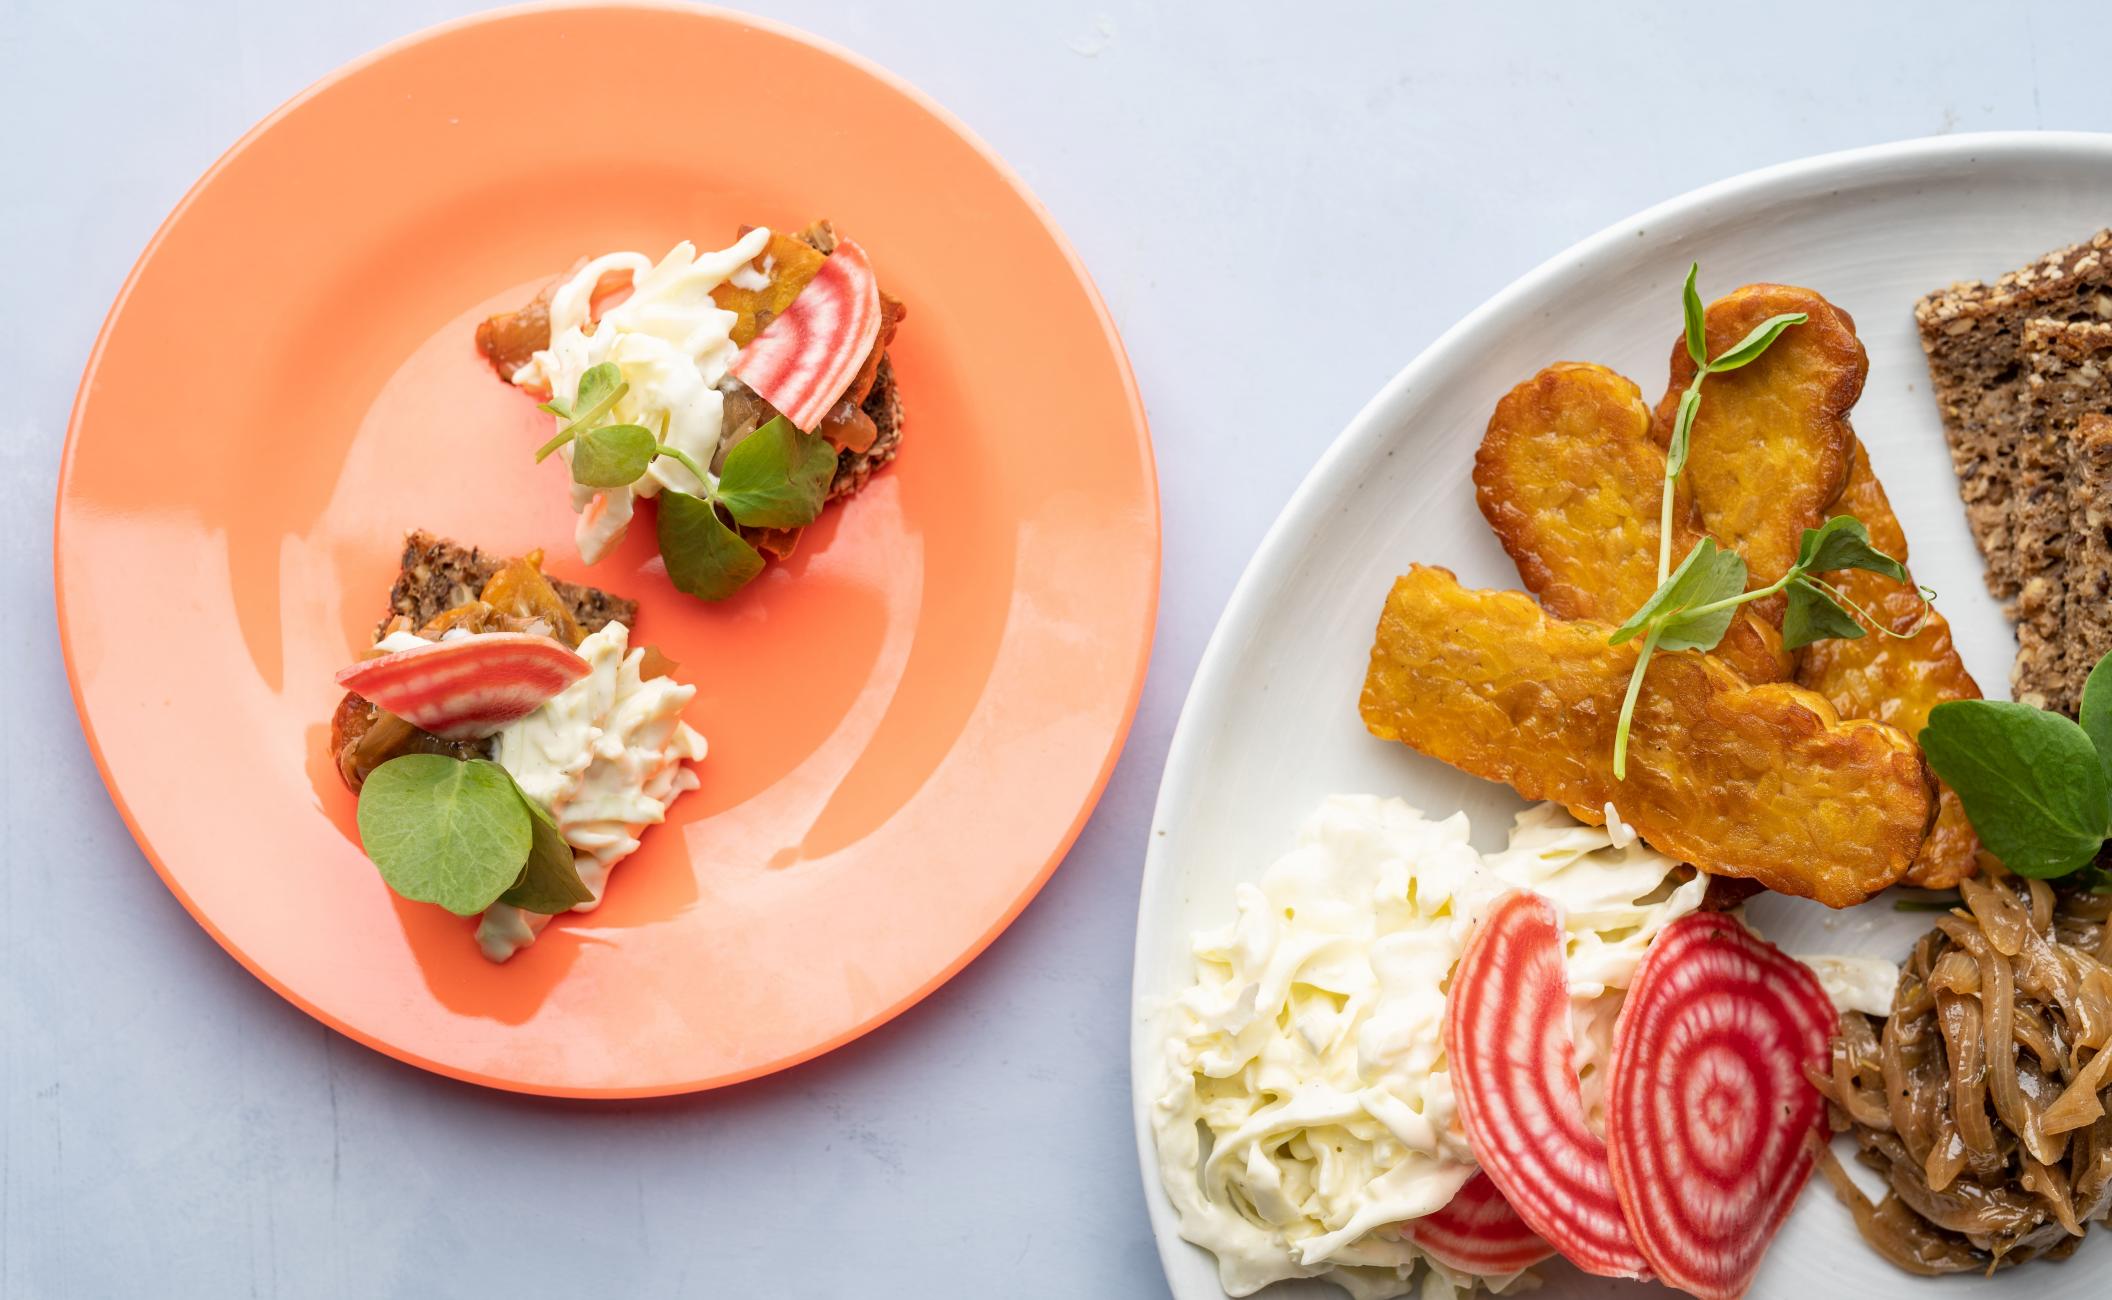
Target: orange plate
x,y
909,722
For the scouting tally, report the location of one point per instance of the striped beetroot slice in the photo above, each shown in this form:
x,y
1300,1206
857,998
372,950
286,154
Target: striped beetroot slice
x,y
1514,1077
467,688
1707,1109
807,356
1478,1232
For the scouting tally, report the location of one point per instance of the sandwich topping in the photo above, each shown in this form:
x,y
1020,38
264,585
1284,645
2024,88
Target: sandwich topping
x,y
672,344
744,387
508,756
606,757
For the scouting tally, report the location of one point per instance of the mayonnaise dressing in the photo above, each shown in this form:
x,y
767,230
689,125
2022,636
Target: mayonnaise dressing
x,y
674,346
1862,984
1305,1104
605,756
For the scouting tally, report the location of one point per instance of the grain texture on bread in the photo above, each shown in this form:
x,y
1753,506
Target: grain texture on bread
x,y
2090,550
1973,334
437,575
2068,375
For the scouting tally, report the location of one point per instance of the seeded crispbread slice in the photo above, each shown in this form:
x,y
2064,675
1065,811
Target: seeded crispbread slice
x,y
1973,334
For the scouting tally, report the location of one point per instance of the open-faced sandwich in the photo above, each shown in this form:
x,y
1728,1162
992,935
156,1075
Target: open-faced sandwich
x,y
745,388
507,742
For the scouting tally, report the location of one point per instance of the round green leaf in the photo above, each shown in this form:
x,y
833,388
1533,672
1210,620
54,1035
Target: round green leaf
x,y
599,388
777,477
704,557
612,456
2030,782
445,831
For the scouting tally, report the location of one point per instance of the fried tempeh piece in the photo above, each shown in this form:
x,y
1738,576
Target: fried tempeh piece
x,y
1772,444
1568,477
1892,680
1764,782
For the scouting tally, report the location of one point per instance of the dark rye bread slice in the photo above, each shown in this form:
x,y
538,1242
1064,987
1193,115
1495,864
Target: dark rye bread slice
x,y
2064,476
438,575
1973,334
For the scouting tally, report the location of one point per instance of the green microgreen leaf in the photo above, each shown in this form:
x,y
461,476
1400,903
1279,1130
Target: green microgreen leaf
x,y
2096,713
2031,782
1690,610
1843,543
1708,615
599,389
1682,435
777,477
613,455
1709,575
1697,318
1814,615
550,882
442,830
1748,349
704,557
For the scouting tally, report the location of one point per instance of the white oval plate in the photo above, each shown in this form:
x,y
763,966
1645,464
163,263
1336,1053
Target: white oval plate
x,y
1271,721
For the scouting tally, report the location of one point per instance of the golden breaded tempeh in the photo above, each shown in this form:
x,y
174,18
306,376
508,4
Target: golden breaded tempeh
x,y
1765,782
1772,443
1893,680
1568,477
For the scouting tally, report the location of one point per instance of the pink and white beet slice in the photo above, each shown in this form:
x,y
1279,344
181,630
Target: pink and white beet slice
x,y
469,687
1708,1113
1514,1076
807,356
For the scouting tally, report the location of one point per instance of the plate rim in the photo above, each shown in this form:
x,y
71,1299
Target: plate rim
x,y
588,10
1277,550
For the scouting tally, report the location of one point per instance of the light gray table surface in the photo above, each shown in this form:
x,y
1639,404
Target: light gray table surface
x,y
1282,205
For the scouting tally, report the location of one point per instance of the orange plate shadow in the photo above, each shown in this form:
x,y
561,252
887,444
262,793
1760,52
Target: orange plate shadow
x,y
909,722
